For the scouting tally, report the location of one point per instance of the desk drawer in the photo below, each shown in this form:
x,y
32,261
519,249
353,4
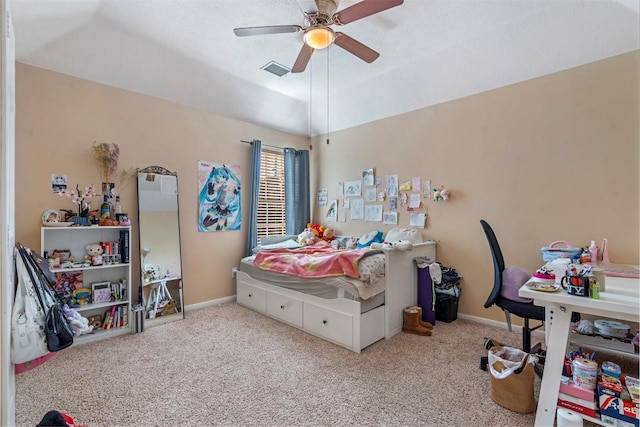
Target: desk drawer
x,y
332,325
285,308
252,297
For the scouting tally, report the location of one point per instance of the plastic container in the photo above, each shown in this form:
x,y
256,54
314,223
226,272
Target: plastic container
x,y
611,328
585,373
611,369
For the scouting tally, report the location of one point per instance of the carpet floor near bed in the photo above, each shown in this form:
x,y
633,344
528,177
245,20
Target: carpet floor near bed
x,y
227,365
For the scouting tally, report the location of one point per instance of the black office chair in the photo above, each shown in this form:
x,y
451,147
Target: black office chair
x,y
525,310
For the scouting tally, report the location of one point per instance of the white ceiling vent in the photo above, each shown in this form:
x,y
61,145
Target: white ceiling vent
x,y
275,68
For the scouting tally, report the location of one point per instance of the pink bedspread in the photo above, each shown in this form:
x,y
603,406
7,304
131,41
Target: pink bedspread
x,y
315,261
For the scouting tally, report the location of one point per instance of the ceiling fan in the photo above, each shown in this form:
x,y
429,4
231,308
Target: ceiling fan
x,y
319,15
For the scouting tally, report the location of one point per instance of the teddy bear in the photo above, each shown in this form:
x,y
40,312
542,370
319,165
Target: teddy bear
x,y
79,325
328,234
94,254
306,237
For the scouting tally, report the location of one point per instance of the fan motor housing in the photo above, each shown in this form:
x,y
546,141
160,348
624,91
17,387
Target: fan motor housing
x,y
324,16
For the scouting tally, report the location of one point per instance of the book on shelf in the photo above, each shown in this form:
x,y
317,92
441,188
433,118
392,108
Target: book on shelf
x,y
125,245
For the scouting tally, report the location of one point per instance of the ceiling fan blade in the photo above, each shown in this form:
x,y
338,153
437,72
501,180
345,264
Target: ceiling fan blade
x,y
355,47
364,9
303,59
272,29
308,6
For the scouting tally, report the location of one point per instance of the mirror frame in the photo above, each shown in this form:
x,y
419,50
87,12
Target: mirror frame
x,y
159,170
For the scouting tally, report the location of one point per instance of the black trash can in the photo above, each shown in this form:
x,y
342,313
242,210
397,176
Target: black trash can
x,y
446,307
447,295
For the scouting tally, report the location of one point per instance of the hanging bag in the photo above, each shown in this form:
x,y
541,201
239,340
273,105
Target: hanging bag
x,y
56,327
28,339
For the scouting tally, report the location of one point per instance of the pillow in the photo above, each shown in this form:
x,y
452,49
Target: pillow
x,y
410,234
366,240
269,240
512,279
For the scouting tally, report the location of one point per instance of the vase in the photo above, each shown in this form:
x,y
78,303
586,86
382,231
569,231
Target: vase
x,y
81,220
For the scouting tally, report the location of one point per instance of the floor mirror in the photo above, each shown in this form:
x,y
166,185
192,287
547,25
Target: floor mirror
x,y
161,290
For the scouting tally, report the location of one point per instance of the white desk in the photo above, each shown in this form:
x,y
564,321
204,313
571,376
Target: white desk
x,y
559,306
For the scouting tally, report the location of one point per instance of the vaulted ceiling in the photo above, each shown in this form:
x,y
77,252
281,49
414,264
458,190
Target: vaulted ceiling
x,y
431,51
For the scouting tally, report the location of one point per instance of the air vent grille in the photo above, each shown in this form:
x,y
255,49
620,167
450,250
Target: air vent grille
x,y
275,68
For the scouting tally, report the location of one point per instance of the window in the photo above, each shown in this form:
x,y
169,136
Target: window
x,y
271,205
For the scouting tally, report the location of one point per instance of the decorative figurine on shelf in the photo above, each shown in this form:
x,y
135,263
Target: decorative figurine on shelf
x,y
124,220
94,254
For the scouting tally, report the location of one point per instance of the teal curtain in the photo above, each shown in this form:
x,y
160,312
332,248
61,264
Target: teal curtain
x,y
296,190
254,190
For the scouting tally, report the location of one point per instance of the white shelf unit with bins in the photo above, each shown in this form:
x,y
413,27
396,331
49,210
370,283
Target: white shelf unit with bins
x,y
75,239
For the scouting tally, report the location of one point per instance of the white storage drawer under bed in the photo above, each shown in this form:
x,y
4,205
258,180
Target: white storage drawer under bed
x,y
329,324
285,308
252,297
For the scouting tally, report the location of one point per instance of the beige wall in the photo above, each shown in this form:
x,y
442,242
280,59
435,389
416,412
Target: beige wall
x,y
59,117
554,158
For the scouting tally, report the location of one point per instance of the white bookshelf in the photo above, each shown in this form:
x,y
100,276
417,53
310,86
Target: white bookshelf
x,y
74,239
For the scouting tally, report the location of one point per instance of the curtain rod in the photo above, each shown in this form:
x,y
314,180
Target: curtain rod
x,y
264,145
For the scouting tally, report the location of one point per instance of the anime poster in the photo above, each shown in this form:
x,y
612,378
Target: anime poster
x,y
218,197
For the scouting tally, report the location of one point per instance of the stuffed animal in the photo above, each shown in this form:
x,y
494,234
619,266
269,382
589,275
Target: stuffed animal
x,y
316,229
306,237
79,325
328,234
95,321
94,253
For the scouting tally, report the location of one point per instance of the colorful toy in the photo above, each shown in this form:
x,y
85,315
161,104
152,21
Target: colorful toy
x,y
82,296
317,230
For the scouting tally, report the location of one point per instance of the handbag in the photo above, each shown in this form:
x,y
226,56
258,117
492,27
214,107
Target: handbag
x,y
58,334
57,330
28,339
56,327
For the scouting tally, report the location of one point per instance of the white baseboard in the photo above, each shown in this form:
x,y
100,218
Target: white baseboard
x,y
516,328
209,303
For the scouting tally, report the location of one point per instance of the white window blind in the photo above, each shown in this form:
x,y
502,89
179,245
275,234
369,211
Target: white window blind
x,y
271,205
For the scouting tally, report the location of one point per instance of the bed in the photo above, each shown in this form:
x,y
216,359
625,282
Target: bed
x,y
337,309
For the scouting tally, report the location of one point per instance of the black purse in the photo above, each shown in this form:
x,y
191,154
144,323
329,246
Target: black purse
x,y
57,330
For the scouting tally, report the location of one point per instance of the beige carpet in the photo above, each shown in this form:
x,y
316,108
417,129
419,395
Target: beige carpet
x,y
227,365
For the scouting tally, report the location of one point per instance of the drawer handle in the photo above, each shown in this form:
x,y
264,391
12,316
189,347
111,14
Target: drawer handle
x,y
324,322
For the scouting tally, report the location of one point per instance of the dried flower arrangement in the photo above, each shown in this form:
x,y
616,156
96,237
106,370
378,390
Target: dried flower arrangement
x,y
106,157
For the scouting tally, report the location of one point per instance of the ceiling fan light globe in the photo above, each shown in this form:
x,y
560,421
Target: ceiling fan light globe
x,y
319,37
